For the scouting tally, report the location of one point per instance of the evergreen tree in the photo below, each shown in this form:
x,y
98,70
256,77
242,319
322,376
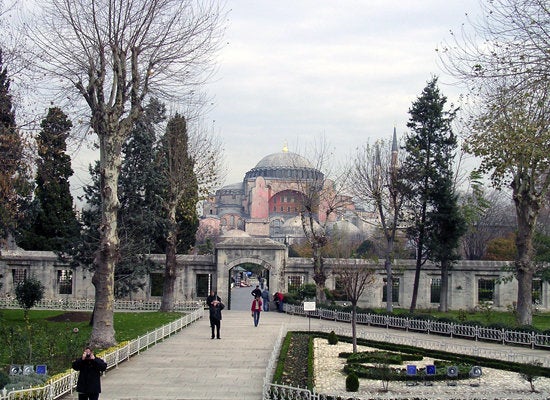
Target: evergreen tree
x,y
54,226
430,150
15,187
179,192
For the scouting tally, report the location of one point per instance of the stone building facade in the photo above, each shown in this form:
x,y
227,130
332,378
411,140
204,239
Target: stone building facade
x,y
471,283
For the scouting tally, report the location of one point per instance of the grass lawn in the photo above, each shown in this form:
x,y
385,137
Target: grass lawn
x,y
541,320
57,337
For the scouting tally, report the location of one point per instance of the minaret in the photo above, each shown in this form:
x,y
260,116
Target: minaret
x,y
394,149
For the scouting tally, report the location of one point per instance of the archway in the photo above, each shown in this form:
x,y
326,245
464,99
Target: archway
x,y
238,248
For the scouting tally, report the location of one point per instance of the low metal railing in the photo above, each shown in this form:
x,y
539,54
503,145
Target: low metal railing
x,y
88,304
66,383
477,333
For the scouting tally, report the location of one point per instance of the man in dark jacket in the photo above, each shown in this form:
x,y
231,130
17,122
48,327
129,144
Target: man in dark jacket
x,y
216,307
90,368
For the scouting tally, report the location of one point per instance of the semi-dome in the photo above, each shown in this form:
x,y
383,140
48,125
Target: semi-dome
x,y
284,165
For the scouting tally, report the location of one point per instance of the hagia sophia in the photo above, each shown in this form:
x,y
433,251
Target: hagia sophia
x,y
267,203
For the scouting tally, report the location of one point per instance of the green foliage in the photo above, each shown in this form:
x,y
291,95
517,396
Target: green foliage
x,y
4,379
352,383
430,148
53,222
28,292
332,338
56,337
531,373
15,185
378,357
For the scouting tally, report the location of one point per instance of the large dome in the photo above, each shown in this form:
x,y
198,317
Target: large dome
x,y
284,159
284,165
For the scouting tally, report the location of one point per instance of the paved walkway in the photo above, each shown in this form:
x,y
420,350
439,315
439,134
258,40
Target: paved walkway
x,y
190,365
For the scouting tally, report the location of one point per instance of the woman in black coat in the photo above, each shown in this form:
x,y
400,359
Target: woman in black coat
x,y
90,368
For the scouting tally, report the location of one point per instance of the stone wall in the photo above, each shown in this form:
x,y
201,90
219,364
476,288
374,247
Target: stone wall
x,y
464,279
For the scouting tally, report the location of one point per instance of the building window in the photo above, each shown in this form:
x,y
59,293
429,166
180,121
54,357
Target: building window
x,y
537,292
65,281
395,290
274,208
19,275
435,290
204,282
485,290
157,284
294,282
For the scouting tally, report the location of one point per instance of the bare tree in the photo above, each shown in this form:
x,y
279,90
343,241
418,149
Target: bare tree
x,y
323,199
375,179
113,54
354,279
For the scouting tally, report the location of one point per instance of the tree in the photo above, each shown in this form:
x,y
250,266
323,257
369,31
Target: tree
x,y
322,199
511,135
507,71
15,186
28,292
179,197
488,216
427,161
446,227
354,279
54,227
376,179
113,54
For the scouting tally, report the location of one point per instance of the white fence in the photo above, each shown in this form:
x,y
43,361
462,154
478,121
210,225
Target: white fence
x,y
66,383
88,304
478,333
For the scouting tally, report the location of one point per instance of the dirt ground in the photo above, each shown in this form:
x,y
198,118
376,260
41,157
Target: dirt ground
x,y
72,316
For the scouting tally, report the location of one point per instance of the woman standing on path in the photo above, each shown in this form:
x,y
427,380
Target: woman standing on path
x,y
256,308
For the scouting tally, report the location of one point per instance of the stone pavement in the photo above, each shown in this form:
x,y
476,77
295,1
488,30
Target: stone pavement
x,y
190,365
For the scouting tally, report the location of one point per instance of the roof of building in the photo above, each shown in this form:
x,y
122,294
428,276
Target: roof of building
x,y
284,159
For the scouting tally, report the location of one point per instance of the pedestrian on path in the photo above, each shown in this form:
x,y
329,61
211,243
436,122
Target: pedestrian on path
x,y
216,307
256,308
265,298
213,296
88,385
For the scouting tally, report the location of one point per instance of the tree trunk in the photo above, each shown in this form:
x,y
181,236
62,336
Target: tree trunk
x,y
354,326
319,275
444,289
389,283
527,209
103,331
167,303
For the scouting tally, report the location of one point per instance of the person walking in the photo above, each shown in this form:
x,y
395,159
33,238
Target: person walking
x,y
90,368
216,307
256,308
265,298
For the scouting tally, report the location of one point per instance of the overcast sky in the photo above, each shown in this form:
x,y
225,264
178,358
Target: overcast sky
x,y
347,70
297,70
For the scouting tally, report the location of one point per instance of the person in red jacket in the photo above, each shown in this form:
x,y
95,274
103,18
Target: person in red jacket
x,y
256,308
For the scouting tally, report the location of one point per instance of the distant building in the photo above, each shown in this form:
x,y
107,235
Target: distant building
x,y
267,202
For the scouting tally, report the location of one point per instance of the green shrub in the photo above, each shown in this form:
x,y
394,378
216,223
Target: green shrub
x,y
352,383
4,379
332,338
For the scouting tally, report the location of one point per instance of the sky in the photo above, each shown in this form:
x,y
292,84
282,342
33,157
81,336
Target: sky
x,y
297,72
347,71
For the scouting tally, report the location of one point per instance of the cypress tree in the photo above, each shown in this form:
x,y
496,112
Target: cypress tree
x,y
437,224
15,187
55,226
